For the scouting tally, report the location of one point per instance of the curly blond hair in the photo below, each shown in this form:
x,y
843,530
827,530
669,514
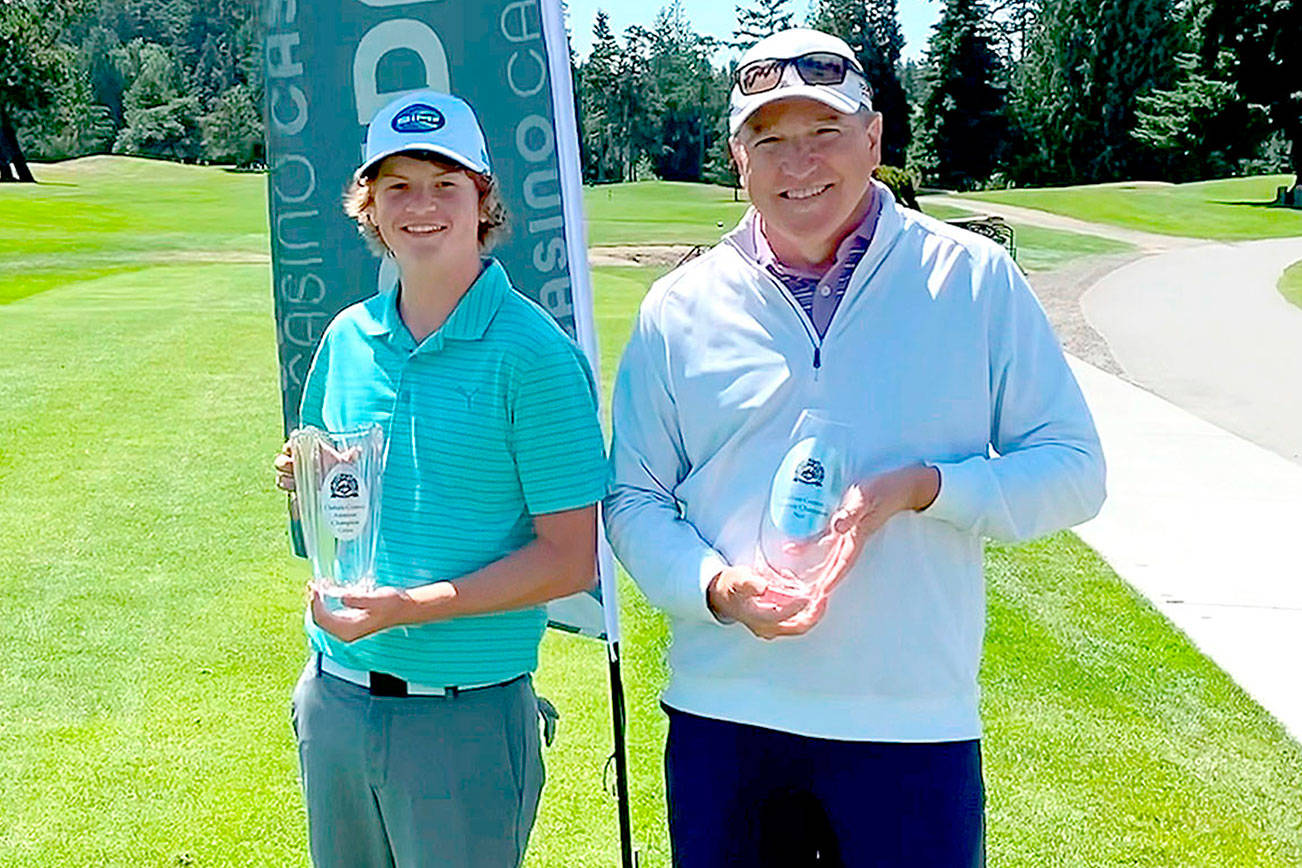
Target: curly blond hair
x,y
360,196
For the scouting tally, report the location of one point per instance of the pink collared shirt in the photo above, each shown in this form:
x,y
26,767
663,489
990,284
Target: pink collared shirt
x,y
818,292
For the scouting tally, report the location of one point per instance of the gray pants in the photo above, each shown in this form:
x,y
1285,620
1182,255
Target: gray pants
x,y
416,781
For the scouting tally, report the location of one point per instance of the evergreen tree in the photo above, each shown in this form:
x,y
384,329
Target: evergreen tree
x,y
107,82
685,96
73,125
599,105
872,30
914,79
963,115
1257,44
1014,21
1077,93
162,116
1200,127
219,34
163,22
763,19
66,86
634,101
232,130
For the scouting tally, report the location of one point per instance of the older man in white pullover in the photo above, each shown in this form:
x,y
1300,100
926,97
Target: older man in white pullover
x,y
838,727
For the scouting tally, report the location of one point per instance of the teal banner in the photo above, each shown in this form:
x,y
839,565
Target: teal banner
x,y
330,64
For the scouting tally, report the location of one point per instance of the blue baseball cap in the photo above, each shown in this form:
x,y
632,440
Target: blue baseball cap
x,y
426,120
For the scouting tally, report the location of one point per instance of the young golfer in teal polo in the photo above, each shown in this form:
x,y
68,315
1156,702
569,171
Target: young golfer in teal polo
x,y
416,720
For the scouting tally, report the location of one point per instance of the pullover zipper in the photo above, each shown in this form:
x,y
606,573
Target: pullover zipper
x,y
804,322
800,313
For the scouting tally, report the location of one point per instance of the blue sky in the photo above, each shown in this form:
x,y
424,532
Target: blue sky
x,y
718,18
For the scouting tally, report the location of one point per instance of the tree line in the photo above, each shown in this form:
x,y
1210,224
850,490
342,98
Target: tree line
x,y
1007,92
178,79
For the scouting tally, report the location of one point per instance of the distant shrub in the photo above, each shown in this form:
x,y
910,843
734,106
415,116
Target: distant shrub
x,y
1272,158
901,182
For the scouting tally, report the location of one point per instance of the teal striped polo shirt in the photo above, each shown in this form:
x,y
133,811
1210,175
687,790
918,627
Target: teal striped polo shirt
x,y
490,420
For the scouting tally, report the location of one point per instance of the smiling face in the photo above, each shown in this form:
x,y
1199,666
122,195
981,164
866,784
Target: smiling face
x,y
808,169
425,211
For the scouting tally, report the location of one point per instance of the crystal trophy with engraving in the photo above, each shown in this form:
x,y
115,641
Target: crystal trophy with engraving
x,y
806,490
337,481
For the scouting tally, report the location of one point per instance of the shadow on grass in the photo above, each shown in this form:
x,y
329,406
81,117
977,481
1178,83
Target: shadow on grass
x,y
1257,204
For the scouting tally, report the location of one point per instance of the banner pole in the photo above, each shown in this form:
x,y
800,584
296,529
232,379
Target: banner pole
x,y
621,757
571,184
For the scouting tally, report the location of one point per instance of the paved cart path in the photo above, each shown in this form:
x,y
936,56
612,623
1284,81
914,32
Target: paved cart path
x,y
1208,527
1206,328
1204,509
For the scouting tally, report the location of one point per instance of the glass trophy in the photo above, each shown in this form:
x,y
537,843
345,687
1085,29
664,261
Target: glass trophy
x,y
806,491
337,480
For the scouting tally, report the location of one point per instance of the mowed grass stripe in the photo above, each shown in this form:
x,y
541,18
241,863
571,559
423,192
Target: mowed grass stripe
x,y
145,682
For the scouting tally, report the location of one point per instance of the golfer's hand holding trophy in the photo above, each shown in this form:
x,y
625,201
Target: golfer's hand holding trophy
x,y
337,481
797,545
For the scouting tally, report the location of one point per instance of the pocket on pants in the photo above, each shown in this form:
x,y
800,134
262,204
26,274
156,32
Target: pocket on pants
x,y
530,772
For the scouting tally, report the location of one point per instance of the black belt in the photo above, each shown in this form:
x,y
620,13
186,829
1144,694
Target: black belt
x,y
384,684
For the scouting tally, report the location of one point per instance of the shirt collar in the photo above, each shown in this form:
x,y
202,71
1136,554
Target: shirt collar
x,y
888,224
468,321
863,234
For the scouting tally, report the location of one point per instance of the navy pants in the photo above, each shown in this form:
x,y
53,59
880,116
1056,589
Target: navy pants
x,y
748,796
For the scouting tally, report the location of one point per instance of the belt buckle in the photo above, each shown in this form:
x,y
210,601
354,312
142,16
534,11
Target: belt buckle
x,y
384,684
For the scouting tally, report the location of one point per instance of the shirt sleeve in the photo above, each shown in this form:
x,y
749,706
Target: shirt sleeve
x,y
1047,472
662,550
556,435
311,404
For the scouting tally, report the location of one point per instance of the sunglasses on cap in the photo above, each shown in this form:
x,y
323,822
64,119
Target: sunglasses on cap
x,y
817,67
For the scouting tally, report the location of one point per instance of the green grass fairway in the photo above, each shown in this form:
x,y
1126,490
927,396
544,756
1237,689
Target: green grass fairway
x,y
101,216
1233,209
155,613
659,212
663,212
1040,249
1290,283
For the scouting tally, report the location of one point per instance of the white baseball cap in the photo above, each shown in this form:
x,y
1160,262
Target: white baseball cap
x,y
426,120
846,97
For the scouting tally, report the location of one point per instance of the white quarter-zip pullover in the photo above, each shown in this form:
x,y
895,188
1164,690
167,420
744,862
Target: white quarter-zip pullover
x,y
939,353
